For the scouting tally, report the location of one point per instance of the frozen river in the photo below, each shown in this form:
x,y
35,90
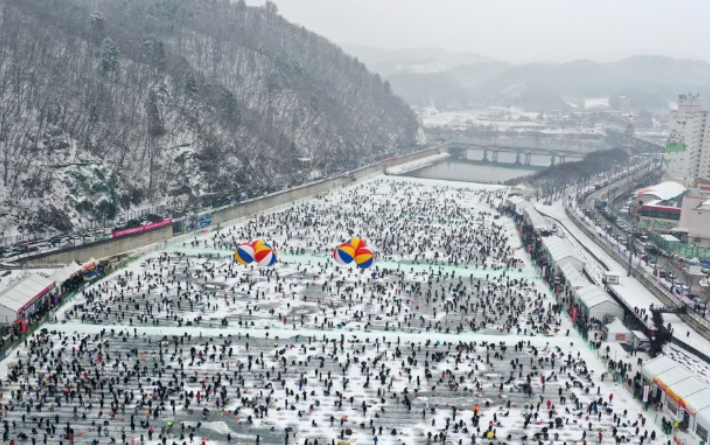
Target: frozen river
x,y
451,338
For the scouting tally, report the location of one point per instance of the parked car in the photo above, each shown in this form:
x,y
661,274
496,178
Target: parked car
x,y
153,218
132,224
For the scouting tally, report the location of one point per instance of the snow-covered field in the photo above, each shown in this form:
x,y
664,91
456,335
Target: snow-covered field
x,y
504,119
451,336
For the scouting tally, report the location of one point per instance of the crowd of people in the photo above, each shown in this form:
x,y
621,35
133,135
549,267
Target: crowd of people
x,y
450,338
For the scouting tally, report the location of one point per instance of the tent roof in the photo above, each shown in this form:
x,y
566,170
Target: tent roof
x,y
23,291
64,273
658,365
573,276
558,248
664,191
592,296
703,415
687,387
617,326
698,400
672,376
537,221
514,200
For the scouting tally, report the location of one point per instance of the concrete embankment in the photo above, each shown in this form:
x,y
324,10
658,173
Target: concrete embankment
x,y
118,246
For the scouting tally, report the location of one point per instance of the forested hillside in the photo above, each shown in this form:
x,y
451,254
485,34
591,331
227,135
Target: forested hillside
x,y
108,105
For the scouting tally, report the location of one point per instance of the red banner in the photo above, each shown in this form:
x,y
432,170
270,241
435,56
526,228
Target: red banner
x,y
35,298
147,227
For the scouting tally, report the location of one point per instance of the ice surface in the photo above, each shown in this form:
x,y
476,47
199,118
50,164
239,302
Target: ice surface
x,y
452,303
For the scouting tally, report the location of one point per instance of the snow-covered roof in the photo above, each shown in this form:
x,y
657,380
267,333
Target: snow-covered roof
x,y
63,274
699,400
537,221
616,327
640,335
656,366
596,103
592,296
10,276
514,200
573,276
558,249
23,291
705,205
672,376
687,387
694,392
664,191
670,238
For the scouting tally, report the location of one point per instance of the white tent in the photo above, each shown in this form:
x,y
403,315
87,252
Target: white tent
x,y
702,417
672,377
597,303
699,401
656,366
687,387
20,295
65,273
617,332
573,278
683,390
89,265
518,204
537,221
560,252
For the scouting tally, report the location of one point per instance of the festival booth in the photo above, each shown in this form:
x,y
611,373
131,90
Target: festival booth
x,y
517,204
25,297
90,270
681,395
68,278
558,252
616,332
573,278
534,218
597,304
700,401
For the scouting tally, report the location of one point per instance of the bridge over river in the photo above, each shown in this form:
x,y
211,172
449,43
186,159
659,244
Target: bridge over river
x,y
503,154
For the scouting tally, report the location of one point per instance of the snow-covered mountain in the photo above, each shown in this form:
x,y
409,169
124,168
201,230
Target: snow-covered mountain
x,y
105,106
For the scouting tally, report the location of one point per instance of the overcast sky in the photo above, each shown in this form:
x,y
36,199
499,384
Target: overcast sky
x,y
514,30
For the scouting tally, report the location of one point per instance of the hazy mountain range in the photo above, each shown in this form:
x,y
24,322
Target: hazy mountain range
x,y
449,80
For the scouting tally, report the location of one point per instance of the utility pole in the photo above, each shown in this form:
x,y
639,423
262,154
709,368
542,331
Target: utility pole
x,y
629,247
